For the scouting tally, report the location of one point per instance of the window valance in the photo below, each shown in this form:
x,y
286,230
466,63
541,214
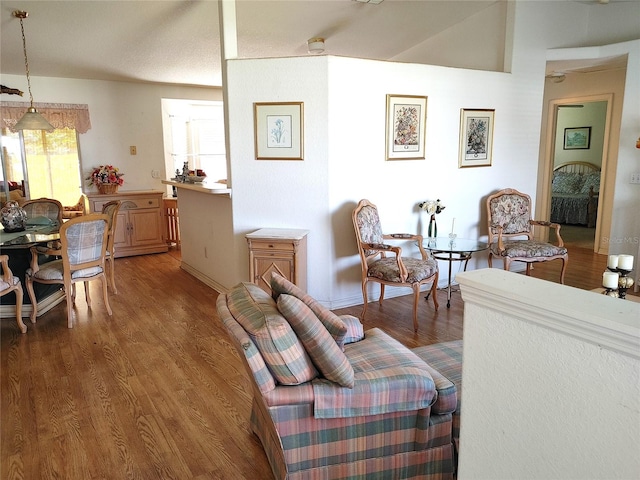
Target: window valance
x,y
60,115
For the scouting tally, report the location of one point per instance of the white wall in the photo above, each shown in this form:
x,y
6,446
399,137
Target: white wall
x,y
551,389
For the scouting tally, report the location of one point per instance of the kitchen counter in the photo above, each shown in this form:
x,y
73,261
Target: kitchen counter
x,y
212,188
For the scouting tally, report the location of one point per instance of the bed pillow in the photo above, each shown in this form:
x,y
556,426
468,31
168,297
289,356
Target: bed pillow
x,y
283,352
591,180
325,353
567,183
330,320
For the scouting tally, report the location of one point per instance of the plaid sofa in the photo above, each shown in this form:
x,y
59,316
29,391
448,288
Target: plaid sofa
x,y
331,401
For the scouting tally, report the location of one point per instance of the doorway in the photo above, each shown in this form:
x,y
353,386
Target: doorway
x,y
578,157
553,140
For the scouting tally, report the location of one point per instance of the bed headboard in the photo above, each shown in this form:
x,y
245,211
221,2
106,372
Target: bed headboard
x,y
577,167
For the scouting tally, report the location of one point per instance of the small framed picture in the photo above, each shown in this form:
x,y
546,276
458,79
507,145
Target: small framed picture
x,y
577,138
406,127
476,138
279,131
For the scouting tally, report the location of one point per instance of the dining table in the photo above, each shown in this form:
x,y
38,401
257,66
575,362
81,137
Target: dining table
x,y
17,246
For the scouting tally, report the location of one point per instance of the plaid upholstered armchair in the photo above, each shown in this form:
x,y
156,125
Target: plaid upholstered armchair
x,y
331,401
510,219
383,263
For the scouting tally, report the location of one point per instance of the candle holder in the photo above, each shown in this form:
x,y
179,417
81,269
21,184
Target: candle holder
x,y
452,239
624,281
610,292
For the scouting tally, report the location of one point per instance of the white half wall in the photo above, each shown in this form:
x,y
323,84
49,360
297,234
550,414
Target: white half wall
x,y
550,381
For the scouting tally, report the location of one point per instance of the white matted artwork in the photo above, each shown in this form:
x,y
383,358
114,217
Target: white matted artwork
x,y
476,138
406,127
278,130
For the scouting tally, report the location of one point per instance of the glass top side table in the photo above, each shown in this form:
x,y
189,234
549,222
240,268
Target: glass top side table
x,y
453,250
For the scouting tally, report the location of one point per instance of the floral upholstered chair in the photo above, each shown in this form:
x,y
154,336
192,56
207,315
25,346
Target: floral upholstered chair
x,y
394,270
510,219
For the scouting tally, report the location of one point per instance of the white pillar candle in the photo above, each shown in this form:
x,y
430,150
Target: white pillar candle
x,y
613,261
453,224
625,262
610,280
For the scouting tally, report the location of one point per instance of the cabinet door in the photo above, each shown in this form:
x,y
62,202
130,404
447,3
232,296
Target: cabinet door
x,y
121,237
146,227
266,262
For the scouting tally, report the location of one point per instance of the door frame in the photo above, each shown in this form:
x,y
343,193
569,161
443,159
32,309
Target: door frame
x,y
605,198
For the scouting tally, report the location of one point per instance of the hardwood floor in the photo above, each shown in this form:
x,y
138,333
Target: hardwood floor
x,y
156,391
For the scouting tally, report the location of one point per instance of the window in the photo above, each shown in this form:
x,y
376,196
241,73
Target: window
x,y
194,133
52,163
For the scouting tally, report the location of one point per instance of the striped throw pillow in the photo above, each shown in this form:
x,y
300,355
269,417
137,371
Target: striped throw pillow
x,y
278,344
327,356
330,320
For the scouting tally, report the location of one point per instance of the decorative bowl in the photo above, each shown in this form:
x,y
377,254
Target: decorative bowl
x,y
194,179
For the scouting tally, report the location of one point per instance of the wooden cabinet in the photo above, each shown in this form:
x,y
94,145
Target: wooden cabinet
x,y
282,250
140,226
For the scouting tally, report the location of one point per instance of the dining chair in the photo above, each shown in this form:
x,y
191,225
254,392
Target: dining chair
x,y
394,270
83,244
44,207
510,224
111,209
10,283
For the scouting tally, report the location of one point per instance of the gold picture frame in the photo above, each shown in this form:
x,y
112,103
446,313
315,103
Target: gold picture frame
x,y
476,137
279,130
406,127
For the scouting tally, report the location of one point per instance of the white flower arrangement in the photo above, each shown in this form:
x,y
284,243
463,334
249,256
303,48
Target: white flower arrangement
x,y
432,206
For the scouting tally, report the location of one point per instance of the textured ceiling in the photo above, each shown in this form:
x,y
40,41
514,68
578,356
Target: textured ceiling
x,y
177,42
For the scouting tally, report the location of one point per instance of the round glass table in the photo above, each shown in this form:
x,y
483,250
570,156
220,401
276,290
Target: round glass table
x,y
453,250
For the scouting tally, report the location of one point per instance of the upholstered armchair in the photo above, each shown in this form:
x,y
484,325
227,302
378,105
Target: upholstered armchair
x,y
332,401
383,263
511,229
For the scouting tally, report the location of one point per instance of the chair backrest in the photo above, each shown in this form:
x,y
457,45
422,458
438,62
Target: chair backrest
x,y
84,243
111,209
44,207
368,228
511,210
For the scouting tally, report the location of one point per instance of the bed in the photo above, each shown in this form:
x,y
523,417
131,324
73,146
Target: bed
x,y
575,188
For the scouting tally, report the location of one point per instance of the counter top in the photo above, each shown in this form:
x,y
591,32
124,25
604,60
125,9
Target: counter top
x,y
211,188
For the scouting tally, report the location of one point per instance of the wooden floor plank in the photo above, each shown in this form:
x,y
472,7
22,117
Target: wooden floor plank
x,y
156,390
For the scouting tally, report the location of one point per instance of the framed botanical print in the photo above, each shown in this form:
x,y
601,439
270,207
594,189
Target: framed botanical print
x,y
476,138
406,127
279,131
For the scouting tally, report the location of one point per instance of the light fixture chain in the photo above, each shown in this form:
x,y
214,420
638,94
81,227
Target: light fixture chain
x,y
26,61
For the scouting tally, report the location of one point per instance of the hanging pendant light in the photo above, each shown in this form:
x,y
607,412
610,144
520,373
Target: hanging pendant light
x,y
31,120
